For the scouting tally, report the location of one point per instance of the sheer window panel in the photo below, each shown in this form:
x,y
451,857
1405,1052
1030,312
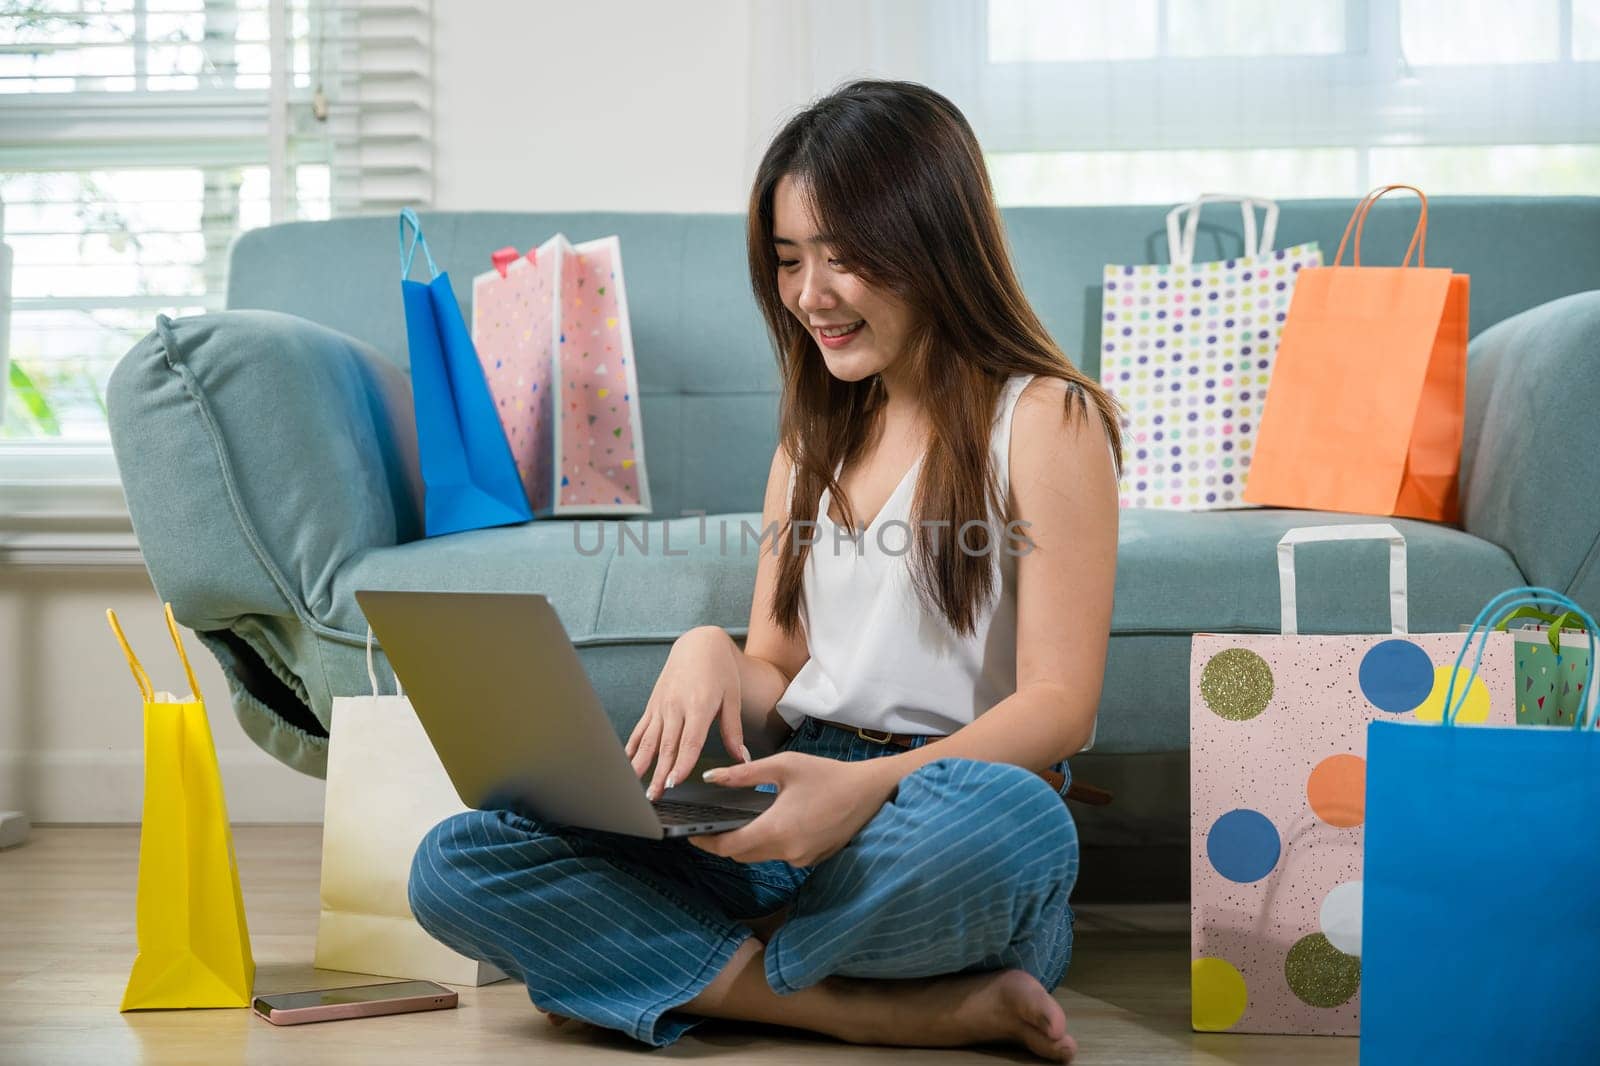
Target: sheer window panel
x,y
1203,28
1066,118
1065,31
1463,32
1479,170
1053,31
1160,177
1586,30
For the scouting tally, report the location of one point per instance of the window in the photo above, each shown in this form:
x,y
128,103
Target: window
x,y
1118,101
137,139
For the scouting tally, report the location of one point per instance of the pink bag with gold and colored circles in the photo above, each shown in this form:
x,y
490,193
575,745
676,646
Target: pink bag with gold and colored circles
x,y
1278,732
551,329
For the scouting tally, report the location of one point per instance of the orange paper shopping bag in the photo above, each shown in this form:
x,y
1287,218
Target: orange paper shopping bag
x,y
1368,396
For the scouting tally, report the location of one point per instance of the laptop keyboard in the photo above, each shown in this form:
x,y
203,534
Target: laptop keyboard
x,y
676,812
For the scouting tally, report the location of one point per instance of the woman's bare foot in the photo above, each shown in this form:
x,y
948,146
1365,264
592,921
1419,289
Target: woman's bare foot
x,y
1009,1006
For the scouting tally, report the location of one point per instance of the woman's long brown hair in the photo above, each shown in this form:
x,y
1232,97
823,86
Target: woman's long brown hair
x,y
893,173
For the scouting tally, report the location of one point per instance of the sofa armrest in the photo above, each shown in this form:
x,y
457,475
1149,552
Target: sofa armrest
x,y
1530,479
258,453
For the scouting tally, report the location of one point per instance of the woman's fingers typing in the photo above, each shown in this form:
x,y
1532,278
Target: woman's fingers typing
x,y
639,729
644,752
672,732
698,684
732,728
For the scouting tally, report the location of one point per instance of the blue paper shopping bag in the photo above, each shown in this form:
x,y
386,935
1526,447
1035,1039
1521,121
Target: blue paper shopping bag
x,y
470,478
1481,929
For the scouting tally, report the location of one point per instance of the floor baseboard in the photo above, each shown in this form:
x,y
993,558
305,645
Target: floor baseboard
x,y
1117,874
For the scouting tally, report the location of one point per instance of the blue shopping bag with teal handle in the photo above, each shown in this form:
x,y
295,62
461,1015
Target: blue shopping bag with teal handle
x,y
1481,918
469,477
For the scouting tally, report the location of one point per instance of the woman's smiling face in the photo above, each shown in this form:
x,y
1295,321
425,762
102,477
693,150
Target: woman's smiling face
x,y
820,291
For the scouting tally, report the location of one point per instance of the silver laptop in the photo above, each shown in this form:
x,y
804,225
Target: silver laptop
x,y
499,689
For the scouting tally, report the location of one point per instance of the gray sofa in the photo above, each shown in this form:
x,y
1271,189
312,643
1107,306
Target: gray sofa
x,y
268,454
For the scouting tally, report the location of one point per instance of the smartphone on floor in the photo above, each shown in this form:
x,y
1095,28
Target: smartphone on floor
x,y
356,1001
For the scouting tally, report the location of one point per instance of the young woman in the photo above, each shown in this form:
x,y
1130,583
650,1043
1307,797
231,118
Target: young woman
x,y
946,484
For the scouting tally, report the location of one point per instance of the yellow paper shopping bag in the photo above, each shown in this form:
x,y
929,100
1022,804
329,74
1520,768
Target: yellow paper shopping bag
x,y
194,947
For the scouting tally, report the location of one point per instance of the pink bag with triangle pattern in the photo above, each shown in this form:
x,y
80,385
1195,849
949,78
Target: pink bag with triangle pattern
x,y
551,329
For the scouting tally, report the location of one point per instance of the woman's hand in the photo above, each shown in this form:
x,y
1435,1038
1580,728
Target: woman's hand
x,y
698,685
821,804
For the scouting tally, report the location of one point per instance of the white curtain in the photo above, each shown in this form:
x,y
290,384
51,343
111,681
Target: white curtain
x,y
801,49
1150,100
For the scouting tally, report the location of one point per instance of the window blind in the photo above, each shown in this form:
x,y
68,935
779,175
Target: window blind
x,y
139,137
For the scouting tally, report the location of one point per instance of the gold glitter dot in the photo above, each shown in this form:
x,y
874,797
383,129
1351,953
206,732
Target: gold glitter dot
x,y
1320,974
1236,684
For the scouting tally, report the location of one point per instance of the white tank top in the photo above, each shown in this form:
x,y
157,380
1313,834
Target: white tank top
x,y
878,659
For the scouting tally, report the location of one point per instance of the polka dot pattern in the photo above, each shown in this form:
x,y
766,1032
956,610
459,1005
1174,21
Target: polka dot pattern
x,y
1219,995
1337,790
1188,351
1236,684
1277,813
1473,711
1340,917
552,334
1396,676
1319,974
1243,846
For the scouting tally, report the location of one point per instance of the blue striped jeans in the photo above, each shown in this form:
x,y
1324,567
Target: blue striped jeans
x,y
968,868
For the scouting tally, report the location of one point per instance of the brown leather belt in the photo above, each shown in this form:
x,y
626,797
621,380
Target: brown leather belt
x,y
1095,797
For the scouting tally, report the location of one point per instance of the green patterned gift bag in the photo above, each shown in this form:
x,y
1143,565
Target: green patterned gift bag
x,y
1552,667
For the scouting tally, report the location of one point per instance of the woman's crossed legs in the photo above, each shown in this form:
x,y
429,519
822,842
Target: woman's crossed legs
x,y
962,877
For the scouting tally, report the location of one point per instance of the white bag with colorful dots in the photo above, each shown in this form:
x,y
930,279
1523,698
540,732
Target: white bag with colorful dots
x,y
1187,348
1278,739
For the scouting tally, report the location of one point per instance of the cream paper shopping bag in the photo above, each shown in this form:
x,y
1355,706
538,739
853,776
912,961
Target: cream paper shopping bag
x,y
386,789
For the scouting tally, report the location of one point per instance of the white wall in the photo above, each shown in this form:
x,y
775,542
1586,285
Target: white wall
x,y
631,105
71,721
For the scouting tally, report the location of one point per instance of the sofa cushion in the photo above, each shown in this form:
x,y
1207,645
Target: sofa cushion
x,y
1217,572
1531,389
633,581
259,452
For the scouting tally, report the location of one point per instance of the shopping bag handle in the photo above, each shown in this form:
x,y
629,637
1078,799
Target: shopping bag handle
x,y
1554,623
1358,219
1288,608
408,216
372,671
1180,249
139,676
1506,605
1526,612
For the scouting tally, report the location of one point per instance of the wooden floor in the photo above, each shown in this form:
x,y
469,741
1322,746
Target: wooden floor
x,y
67,940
